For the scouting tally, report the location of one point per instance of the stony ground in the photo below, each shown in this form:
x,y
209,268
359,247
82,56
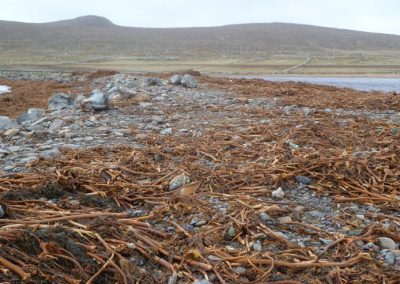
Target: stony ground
x,y
232,181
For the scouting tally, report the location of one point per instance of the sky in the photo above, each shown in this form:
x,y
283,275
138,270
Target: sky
x,y
364,15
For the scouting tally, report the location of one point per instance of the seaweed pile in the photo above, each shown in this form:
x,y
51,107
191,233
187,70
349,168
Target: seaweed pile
x,y
204,209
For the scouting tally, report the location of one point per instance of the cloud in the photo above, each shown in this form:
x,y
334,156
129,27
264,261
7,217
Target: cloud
x,y
367,15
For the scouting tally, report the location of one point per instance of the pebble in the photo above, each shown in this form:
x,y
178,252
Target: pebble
x,y
179,181
201,223
214,258
285,220
257,246
260,236
56,125
166,131
265,217
240,270
386,243
54,153
390,258
170,229
278,194
372,246
303,180
202,282
28,159
11,132
2,213
231,232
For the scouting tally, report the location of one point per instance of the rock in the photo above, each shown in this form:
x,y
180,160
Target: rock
x,y
32,115
11,132
60,101
154,82
260,236
179,181
201,282
303,180
114,97
97,101
189,81
307,111
79,100
372,246
28,159
265,217
257,246
240,270
157,119
390,258
141,98
170,229
56,125
278,194
317,214
231,232
127,92
48,154
214,258
289,109
325,241
176,79
201,223
166,131
285,220
6,123
2,211
386,243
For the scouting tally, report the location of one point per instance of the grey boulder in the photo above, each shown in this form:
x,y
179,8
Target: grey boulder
x,y
32,115
60,101
97,101
176,79
189,81
6,123
154,82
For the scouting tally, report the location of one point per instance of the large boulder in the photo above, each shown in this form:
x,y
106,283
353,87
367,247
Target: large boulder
x,y
176,79
97,101
60,101
6,123
189,81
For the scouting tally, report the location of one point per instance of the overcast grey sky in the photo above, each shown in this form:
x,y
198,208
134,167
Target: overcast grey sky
x,y
366,15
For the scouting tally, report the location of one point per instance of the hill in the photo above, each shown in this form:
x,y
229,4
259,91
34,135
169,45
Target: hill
x,y
93,37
